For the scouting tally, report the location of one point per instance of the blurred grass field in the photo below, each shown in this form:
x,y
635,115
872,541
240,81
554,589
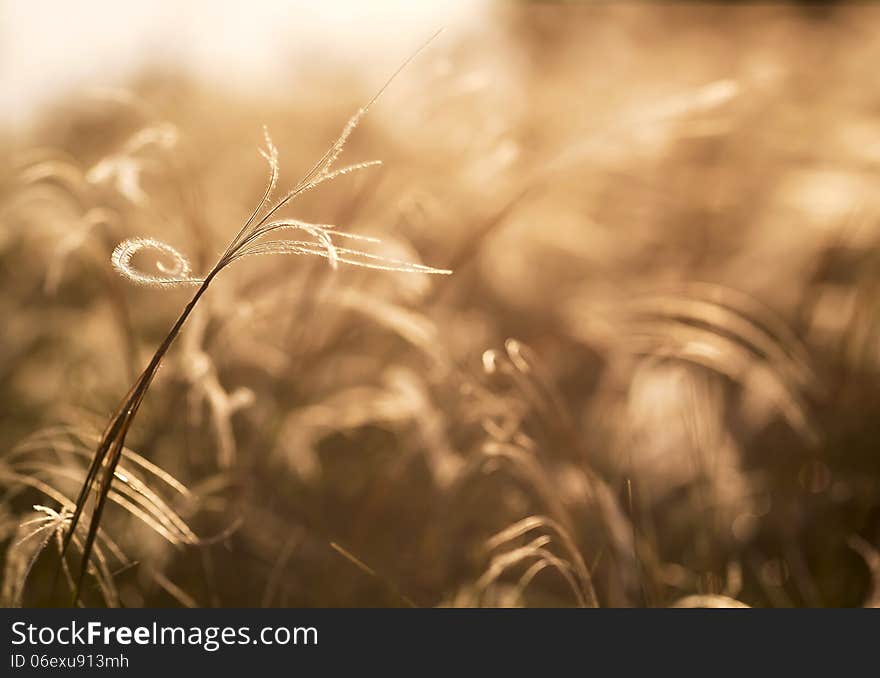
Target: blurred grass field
x,y
651,376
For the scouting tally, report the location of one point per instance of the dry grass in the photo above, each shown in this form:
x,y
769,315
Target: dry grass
x,y
652,379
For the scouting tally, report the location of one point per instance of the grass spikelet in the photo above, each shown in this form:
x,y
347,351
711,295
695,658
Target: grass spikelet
x,y
102,471
178,273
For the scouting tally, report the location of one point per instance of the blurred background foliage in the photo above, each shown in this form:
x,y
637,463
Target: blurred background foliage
x,y
653,373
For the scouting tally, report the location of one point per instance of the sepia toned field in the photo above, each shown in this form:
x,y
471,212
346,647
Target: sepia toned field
x,y
602,328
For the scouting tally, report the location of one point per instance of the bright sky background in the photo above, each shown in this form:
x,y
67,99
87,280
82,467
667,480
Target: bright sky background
x,y
51,47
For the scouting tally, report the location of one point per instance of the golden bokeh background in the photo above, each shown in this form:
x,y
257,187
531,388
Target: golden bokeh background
x,y
650,380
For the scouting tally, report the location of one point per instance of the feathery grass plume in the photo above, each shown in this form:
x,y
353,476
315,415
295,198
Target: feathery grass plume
x,y
176,274
247,242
